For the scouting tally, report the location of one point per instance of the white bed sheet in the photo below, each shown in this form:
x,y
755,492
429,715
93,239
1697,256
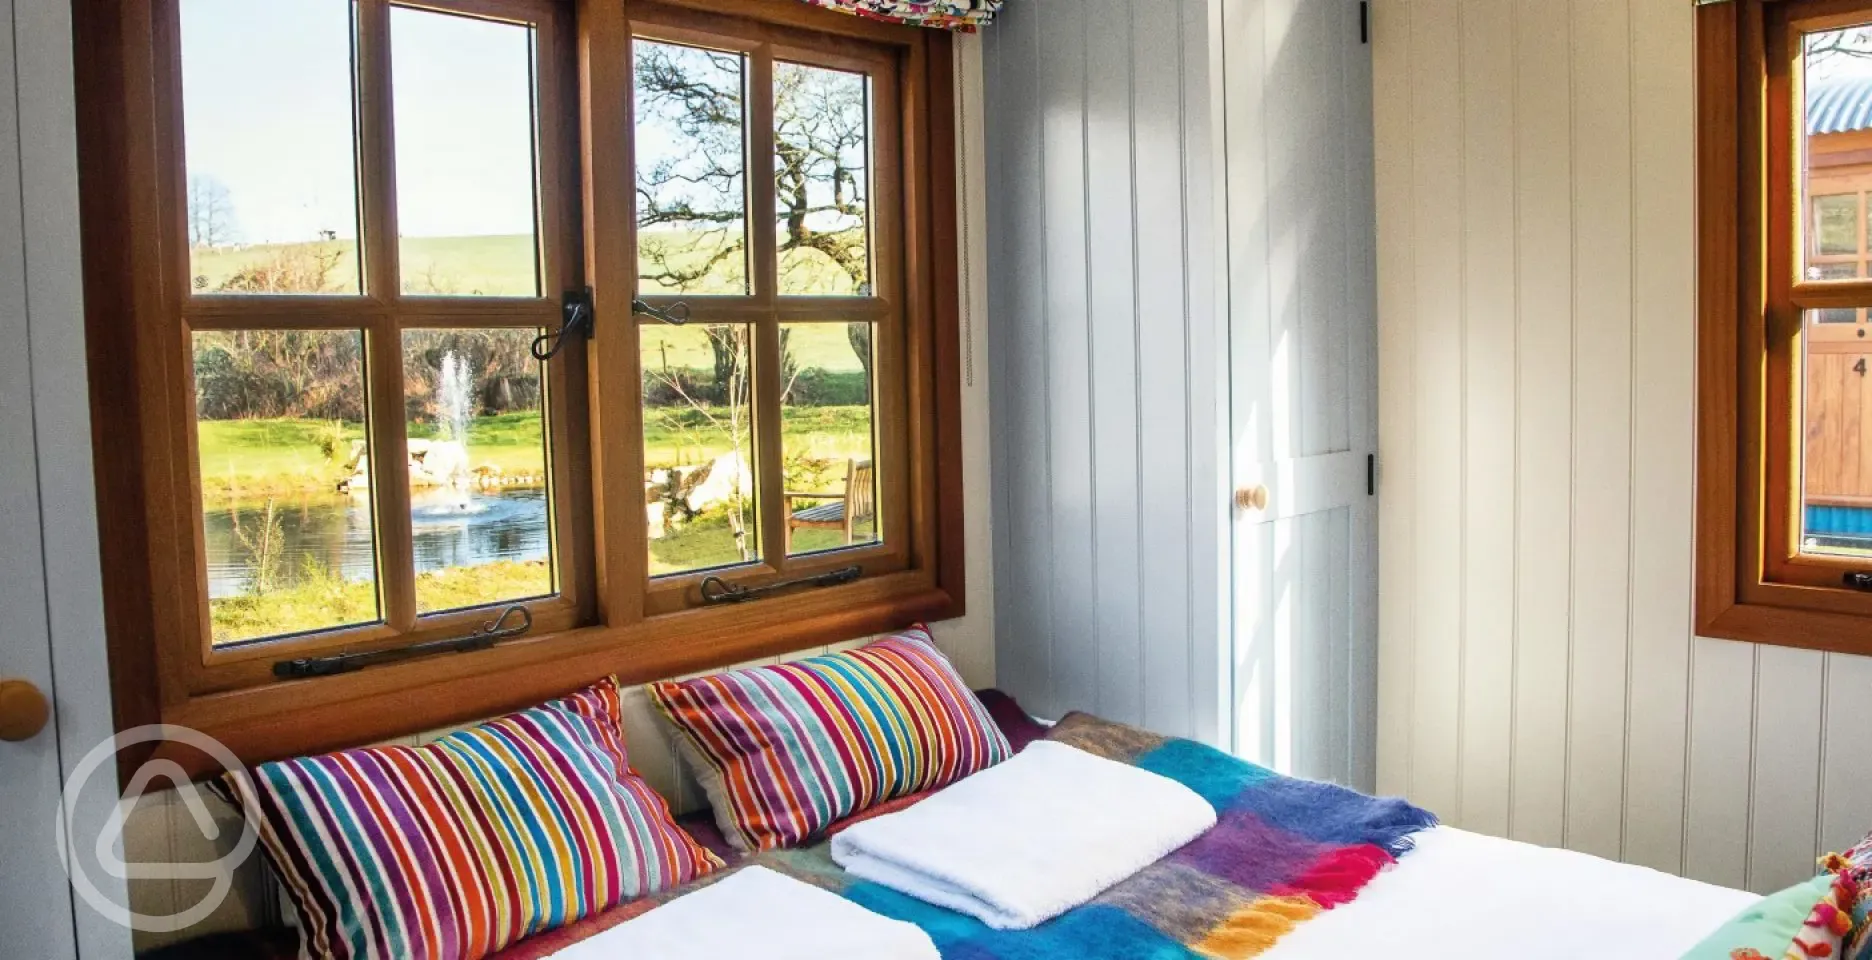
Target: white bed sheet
x,y
1463,895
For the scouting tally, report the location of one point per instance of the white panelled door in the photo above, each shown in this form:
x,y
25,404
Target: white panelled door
x,y
1295,91
35,900
51,618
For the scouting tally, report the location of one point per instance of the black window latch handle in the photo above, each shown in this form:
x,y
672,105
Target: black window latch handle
x,y
575,312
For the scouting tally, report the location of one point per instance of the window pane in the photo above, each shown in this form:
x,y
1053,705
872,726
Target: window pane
x,y
285,484
698,447
828,436
822,146
1836,225
1837,452
1837,75
480,497
464,155
691,170
271,160
1834,271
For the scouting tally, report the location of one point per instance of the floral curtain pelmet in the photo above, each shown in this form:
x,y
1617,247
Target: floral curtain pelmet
x,y
942,14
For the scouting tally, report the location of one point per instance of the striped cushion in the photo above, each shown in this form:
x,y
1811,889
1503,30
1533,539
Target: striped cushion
x,y
461,847
785,751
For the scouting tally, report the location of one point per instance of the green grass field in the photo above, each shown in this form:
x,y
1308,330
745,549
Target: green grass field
x,y
325,603
821,345
251,459
498,266
484,266
247,461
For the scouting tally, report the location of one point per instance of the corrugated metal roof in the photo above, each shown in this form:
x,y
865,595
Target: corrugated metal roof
x,y
1839,105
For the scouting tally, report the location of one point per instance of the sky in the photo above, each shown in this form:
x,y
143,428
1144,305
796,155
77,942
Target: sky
x,y
268,117
267,112
1845,66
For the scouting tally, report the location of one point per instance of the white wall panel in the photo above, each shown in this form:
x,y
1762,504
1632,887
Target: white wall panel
x,y
1106,362
1543,403
1663,421
1784,815
1435,81
1539,677
1721,779
1488,374
1394,150
1602,461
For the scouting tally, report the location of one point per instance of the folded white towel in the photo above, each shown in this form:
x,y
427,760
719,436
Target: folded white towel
x,y
757,913
1029,839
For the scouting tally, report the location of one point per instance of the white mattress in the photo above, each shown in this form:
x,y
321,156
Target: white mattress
x,y
1461,895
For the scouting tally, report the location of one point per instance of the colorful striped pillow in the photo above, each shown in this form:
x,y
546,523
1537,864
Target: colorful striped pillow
x,y
786,751
456,849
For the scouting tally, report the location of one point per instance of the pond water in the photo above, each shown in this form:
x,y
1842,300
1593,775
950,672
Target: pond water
x,y
452,528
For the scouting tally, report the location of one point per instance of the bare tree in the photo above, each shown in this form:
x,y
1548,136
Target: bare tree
x,y
691,198
724,409
691,185
820,130
210,212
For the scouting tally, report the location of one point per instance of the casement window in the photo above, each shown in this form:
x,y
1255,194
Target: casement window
x,y
637,317
1784,500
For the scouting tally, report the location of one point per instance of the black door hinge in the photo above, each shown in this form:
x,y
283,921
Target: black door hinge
x,y
1371,474
1364,21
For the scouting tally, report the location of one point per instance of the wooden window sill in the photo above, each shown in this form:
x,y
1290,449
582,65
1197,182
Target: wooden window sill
x,y
1788,627
288,719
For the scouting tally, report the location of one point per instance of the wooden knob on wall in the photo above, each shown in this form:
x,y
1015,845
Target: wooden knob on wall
x,y
1252,498
23,710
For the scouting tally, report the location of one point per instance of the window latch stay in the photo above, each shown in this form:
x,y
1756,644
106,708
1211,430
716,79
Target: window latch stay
x,y
491,633
715,590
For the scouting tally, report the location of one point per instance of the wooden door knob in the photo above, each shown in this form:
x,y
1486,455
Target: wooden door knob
x,y
23,710
1252,498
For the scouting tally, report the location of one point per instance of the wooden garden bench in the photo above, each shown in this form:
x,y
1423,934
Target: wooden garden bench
x,y
857,503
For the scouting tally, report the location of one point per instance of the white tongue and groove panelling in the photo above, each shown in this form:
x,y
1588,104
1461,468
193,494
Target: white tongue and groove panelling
x,y
1537,291
1109,361
162,827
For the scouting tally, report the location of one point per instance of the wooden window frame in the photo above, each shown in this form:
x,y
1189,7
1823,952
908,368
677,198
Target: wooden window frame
x,y
1753,582
612,618
765,309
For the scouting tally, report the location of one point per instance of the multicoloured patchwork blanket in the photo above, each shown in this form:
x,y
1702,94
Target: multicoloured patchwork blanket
x,y
1283,850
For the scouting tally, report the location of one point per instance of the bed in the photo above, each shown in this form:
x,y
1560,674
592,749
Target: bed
x,y
1454,895
1462,895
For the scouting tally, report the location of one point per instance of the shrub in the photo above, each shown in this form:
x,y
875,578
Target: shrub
x,y
817,387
